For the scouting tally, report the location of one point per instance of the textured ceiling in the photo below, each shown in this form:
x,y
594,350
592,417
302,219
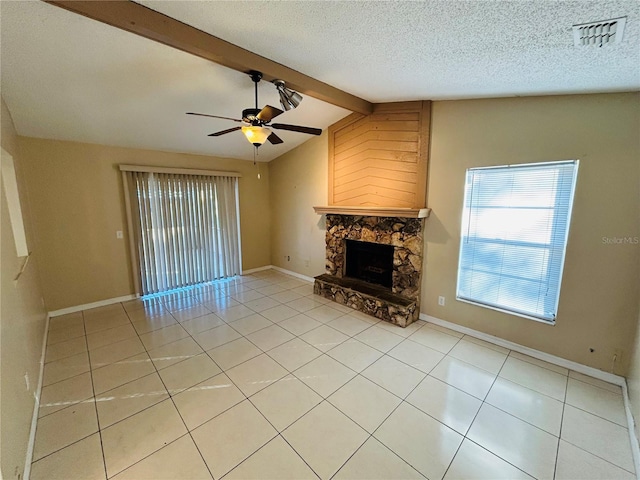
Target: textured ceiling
x,y
71,78
68,77
407,50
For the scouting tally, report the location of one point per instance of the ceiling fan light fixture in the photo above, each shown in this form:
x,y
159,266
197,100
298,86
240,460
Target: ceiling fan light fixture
x,y
288,98
256,135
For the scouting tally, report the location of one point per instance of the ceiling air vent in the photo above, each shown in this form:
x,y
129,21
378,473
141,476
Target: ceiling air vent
x,y
597,34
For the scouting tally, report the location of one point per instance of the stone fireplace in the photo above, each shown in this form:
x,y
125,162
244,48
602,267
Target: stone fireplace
x,y
374,265
377,179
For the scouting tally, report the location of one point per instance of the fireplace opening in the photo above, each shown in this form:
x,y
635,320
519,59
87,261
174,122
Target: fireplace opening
x,y
369,262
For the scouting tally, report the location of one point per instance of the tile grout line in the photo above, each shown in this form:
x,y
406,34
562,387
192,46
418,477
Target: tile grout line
x,y
289,372
596,386
95,404
278,432
564,402
402,400
231,380
564,405
498,456
357,373
527,388
68,378
596,415
118,386
65,340
386,353
170,397
90,371
67,356
464,436
296,452
247,398
598,456
483,401
349,337
529,352
75,403
64,408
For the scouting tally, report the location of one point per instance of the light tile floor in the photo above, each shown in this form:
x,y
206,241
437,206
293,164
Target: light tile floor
x,y
256,377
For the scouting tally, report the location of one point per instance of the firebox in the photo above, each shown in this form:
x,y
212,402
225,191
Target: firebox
x,y
369,262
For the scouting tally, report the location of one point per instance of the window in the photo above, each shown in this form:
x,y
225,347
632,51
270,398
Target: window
x,y
514,231
10,183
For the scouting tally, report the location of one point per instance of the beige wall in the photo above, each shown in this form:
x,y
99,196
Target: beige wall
x,y
299,182
78,205
598,301
22,323
599,298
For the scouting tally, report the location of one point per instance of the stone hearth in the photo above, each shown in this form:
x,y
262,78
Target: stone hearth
x,y
400,304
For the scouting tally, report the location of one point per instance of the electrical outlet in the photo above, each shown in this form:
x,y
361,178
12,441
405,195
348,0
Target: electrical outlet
x,y
441,301
288,258
306,263
119,234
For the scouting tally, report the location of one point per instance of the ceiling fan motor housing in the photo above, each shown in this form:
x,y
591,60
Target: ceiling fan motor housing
x,y
259,119
250,115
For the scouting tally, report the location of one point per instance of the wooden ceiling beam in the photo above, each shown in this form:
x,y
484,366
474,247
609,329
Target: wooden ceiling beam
x,y
143,21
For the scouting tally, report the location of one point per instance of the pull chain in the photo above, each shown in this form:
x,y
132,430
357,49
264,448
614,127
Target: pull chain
x,y
255,154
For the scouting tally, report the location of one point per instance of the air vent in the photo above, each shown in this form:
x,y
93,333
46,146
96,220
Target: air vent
x,y
597,34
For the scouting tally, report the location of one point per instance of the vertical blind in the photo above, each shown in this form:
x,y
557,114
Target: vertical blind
x,y
186,228
514,231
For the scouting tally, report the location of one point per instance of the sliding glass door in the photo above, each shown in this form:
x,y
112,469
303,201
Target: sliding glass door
x,y
186,228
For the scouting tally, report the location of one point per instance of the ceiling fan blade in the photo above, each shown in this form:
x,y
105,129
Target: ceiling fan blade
x,y
228,130
274,139
297,128
268,113
214,116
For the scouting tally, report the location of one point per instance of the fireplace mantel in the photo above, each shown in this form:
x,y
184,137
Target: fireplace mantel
x,y
375,211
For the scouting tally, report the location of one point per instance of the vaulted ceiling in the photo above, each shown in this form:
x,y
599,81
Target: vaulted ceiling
x,y
69,77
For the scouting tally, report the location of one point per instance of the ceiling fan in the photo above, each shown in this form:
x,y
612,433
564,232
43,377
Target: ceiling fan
x,y
257,120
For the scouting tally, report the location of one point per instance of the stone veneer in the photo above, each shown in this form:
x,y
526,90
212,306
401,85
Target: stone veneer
x,y
401,306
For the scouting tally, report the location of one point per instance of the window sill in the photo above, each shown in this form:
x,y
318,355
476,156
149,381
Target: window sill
x,y
508,312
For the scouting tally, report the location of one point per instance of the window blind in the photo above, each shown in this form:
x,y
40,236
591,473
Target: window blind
x,y
515,224
186,228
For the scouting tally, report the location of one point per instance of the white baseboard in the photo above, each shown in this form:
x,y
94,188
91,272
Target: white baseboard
x,y
278,269
254,270
633,439
125,298
561,362
36,405
293,274
86,306
571,365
